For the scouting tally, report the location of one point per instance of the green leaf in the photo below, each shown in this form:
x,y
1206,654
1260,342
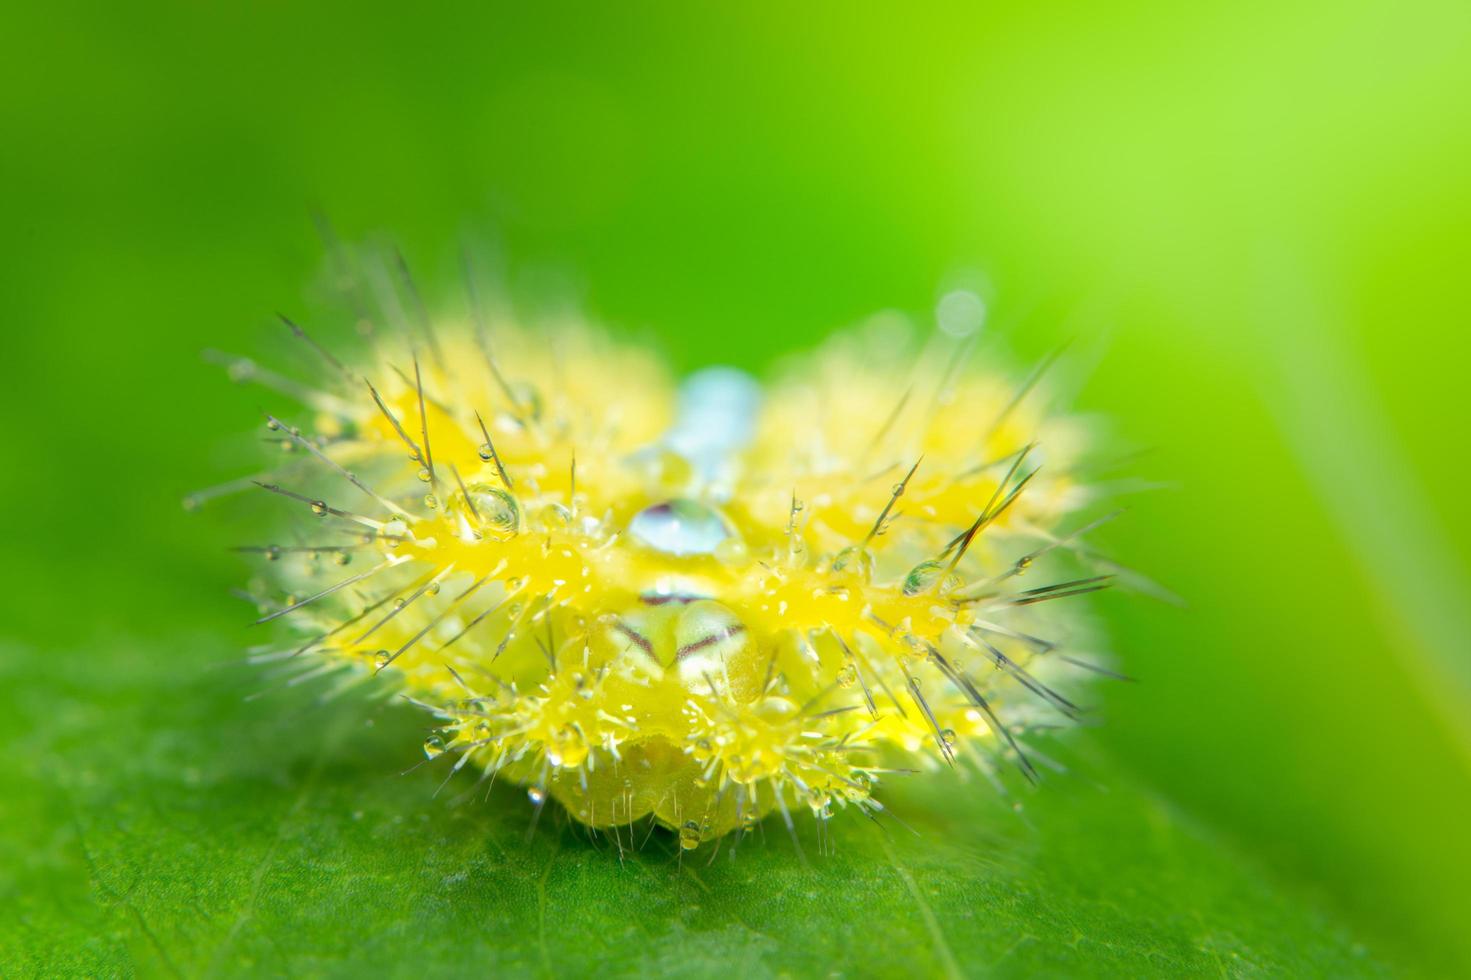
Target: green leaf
x,y
159,824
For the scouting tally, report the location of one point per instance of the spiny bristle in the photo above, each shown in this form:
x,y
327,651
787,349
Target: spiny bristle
x,y
637,610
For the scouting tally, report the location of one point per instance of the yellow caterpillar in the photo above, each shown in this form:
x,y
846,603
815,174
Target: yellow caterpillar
x,y
702,603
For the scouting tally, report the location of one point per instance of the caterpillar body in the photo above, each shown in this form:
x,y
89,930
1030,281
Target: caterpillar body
x,y
701,603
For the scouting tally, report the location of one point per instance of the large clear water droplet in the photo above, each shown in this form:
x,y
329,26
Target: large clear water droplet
x,y
680,527
854,561
494,510
923,577
717,416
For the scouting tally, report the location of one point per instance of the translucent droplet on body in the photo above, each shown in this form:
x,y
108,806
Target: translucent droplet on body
x,y
923,577
567,749
528,399
495,510
319,508
554,517
689,836
536,795
854,561
382,659
717,416
680,527
434,746
732,551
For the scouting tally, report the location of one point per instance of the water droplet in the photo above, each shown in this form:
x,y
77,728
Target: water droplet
x,y
848,676
342,558
273,553
680,527
424,475
567,748
499,514
555,517
528,399
381,659
432,589
689,836
947,735
434,746
272,424
776,709
732,551
319,507
854,561
400,602
536,795
1023,563
431,501
923,577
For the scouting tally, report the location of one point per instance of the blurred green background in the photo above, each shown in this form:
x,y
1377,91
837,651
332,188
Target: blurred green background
x,y
1253,220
